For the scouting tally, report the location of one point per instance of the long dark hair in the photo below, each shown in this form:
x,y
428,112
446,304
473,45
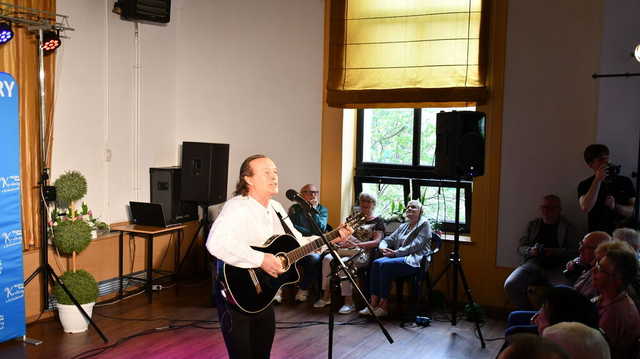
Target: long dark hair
x,y
242,187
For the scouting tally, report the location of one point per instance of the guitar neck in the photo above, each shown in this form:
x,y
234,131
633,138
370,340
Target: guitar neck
x,y
300,252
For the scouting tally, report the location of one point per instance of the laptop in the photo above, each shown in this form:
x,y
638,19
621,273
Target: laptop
x,y
149,214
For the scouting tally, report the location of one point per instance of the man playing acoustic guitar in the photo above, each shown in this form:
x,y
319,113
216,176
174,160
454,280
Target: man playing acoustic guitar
x,y
249,219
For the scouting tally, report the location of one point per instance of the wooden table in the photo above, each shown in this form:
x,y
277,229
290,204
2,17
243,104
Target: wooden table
x,y
148,232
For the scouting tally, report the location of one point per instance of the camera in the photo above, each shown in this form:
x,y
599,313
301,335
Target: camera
x,y
613,170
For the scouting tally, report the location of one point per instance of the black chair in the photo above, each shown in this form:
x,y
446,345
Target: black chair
x,y
423,275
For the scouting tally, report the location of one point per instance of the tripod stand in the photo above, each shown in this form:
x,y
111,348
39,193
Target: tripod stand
x,y
45,269
456,267
49,276
204,225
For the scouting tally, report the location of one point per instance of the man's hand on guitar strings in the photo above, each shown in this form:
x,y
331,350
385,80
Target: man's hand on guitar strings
x,y
271,265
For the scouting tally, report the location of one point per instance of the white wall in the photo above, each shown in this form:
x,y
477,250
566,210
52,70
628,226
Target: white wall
x,y
250,74
550,111
244,72
619,98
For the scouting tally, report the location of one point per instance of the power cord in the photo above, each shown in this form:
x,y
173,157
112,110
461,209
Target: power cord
x,y
193,323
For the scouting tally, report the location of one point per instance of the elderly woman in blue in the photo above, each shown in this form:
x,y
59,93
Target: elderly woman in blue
x,y
402,253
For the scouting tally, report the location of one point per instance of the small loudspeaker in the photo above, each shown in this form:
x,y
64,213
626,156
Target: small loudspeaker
x,y
165,189
460,144
147,10
205,168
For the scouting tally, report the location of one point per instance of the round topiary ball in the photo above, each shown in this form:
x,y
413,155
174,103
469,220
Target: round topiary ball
x,y
72,236
70,187
82,286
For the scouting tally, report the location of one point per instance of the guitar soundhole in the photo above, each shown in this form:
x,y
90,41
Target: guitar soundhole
x,y
284,261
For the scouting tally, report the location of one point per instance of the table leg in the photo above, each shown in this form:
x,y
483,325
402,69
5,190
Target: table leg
x,y
176,257
149,282
120,264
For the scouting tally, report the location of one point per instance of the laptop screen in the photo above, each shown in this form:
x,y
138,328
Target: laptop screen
x,y
147,214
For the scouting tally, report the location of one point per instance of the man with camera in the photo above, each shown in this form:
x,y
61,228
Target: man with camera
x,y
606,196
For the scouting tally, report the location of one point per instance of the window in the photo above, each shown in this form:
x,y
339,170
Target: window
x,y
395,159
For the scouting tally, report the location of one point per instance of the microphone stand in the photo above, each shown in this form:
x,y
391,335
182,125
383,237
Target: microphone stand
x,y
307,209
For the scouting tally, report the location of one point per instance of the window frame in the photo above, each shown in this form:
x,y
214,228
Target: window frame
x,y
410,176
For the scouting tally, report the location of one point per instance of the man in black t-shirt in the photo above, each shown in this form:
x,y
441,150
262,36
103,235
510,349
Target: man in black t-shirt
x,y
547,244
606,197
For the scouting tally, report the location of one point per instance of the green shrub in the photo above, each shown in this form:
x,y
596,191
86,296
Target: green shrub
x,y
72,236
81,284
70,187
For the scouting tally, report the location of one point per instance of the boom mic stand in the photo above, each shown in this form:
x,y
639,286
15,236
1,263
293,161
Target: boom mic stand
x,y
456,266
49,276
341,267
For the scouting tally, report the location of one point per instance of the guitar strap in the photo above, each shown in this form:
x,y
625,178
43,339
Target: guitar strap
x,y
286,228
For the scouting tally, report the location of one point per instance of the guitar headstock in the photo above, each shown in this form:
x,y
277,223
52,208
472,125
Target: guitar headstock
x,y
355,220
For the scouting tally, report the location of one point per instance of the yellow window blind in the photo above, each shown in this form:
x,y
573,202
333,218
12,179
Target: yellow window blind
x,y
385,51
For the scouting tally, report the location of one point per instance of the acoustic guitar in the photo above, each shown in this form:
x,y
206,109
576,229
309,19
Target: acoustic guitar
x,y
252,289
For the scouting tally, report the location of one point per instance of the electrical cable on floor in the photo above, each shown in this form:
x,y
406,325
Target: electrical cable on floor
x,y
193,324
156,319
115,301
100,350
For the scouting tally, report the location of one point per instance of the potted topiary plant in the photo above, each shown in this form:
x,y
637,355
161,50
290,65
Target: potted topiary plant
x,y
72,235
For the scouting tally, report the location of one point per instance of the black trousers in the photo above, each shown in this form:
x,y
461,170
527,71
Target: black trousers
x,y
246,336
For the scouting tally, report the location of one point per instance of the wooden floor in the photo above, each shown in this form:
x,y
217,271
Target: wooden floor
x,y
360,339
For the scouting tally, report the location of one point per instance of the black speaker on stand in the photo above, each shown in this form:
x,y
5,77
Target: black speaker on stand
x,y
459,154
205,170
460,144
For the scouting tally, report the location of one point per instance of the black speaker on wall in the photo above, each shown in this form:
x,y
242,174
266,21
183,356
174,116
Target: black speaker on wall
x,y
165,189
460,144
205,168
146,10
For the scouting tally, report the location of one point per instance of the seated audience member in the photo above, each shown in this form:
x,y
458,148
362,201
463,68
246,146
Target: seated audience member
x,y
588,258
310,265
630,236
578,340
619,318
402,252
362,245
565,304
561,304
547,244
585,284
606,197
531,346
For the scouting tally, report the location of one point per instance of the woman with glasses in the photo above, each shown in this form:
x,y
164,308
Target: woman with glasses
x,y
619,318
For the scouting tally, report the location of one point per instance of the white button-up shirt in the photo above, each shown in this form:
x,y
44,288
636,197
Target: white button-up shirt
x,y
244,222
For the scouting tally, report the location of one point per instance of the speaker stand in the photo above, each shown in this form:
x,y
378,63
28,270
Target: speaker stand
x,y
203,225
456,266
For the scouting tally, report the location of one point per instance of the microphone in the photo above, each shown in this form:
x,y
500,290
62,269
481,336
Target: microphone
x,y
294,196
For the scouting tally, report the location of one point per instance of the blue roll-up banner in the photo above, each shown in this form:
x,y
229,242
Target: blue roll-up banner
x,y
12,316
